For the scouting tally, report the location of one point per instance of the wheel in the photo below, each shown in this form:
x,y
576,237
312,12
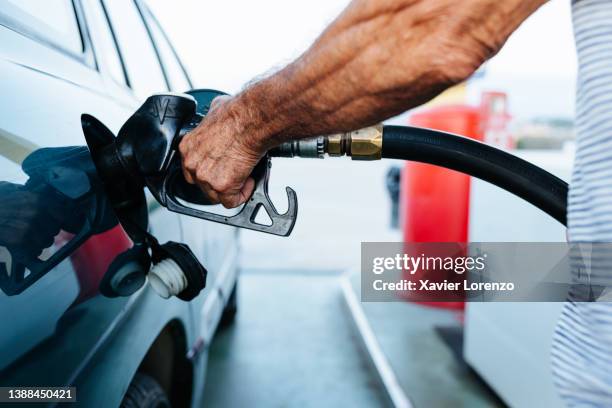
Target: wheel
x,y
231,308
145,392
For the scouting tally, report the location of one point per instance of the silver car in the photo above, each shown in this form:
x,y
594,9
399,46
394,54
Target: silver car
x,y
69,320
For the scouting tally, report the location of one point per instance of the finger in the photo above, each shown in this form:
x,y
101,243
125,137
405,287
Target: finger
x,y
231,200
234,199
247,189
188,176
210,193
184,147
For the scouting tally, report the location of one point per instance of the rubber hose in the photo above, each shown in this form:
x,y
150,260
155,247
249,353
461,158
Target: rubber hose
x,y
519,177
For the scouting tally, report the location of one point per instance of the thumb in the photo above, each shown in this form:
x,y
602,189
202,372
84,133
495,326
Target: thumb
x,y
236,198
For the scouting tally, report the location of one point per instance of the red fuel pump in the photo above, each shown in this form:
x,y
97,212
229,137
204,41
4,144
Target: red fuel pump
x,y
435,200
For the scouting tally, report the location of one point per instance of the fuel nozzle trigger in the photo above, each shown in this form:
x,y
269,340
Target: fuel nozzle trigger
x,y
281,224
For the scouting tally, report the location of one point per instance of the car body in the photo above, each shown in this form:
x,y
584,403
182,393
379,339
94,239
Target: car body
x,y
60,59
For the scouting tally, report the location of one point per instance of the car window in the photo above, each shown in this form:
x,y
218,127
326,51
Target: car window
x,y
174,71
53,21
106,44
144,72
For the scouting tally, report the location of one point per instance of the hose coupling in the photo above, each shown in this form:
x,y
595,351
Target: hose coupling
x,y
362,144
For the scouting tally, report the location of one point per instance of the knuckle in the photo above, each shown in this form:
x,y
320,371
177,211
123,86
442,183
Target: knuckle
x,y
224,184
187,145
187,177
183,146
190,164
229,201
210,194
200,173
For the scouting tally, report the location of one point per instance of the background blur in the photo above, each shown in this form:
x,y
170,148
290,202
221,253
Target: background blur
x,y
226,44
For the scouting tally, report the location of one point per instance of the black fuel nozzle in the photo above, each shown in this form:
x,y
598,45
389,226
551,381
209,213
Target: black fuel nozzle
x,y
145,154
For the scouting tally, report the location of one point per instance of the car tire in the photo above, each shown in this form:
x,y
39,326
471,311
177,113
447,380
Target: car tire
x,y
231,308
145,392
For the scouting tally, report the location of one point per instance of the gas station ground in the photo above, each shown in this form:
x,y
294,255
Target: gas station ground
x,y
302,337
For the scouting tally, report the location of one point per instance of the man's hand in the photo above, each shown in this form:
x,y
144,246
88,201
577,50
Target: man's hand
x,y
219,157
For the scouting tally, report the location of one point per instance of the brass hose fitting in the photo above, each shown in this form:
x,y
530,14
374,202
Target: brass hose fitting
x,y
362,144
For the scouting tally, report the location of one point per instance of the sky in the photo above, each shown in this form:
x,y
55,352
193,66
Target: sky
x,y
225,44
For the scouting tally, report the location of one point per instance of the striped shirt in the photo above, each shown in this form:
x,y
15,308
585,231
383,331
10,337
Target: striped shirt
x,y
581,353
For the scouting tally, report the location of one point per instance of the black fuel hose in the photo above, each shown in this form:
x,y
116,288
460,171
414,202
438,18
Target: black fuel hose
x,y
513,174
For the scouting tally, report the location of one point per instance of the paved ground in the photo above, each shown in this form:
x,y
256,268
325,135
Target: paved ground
x,y
291,346
423,346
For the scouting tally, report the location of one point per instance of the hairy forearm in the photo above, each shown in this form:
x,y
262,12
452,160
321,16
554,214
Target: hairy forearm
x,y
377,59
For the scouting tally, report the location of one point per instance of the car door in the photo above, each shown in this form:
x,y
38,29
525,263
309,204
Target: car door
x,y
58,237
49,79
